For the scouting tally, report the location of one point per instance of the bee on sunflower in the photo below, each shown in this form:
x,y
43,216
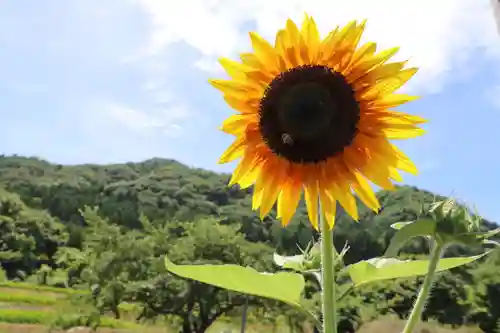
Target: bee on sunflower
x,y
316,115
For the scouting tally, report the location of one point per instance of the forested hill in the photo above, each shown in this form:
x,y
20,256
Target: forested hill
x,y
166,190
101,223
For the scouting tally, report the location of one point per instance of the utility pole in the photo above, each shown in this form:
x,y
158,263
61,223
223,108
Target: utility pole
x,y
496,12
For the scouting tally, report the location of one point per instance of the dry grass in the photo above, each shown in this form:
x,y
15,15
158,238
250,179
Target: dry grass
x,y
389,325
26,328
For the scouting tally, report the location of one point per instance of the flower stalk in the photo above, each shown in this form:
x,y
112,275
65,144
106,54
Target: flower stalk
x,y
328,296
425,289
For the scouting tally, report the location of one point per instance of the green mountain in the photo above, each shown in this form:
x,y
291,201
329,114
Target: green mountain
x,y
164,189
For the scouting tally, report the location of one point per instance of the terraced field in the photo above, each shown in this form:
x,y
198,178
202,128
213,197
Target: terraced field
x,y
28,308
31,308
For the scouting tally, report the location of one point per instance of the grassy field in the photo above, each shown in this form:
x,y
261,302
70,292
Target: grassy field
x,y
27,308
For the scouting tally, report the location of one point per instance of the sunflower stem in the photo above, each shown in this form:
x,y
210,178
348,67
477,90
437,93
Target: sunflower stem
x,y
418,308
327,276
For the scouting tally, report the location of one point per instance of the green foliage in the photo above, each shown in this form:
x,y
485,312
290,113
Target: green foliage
x,y
105,229
3,275
28,237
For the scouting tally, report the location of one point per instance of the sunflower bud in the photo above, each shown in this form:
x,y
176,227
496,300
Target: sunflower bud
x,y
454,223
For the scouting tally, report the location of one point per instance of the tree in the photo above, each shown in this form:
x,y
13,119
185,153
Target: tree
x,y
198,305
114,260
28,237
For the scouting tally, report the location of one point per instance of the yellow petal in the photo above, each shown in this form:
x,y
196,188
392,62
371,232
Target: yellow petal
x,y
235,150
389,85
352,42
236,124
257,199
404,162
365,51
269,197
280,47
264,51
365,192
390,101
270,185
260,78
391,126
292,34
251,60
398,118
403,132
378,73
311,196
328,208
310,31
311,39
377,174
246,165
243,106
343,194
234,69
330,44
279,41
264,177
325,45
395,175
376,60
288,201
346,47
249,178
237,88
264,180
398,159
408,117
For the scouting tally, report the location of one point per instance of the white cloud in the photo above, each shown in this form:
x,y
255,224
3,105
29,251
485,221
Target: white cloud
x,y
436,35
111,115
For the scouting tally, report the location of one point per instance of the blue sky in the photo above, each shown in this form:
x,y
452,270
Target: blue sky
x,y
120,80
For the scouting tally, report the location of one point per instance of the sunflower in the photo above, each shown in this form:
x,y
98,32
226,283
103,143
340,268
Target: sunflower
x,y
316,115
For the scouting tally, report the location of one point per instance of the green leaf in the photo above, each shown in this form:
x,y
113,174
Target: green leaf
x,y
399,225
490,242
408,230
487,234
295,263
283,286
377,269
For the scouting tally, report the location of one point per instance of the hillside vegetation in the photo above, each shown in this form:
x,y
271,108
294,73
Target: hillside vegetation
x,y
99,232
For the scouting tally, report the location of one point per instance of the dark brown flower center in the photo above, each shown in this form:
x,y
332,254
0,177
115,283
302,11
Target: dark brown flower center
x,y
308,114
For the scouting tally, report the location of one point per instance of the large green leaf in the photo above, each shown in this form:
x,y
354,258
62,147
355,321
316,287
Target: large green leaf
x,y
283,286
407,231
378,269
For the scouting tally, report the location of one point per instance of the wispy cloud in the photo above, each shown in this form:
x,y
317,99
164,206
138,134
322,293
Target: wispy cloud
x,y
435,35
106,115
